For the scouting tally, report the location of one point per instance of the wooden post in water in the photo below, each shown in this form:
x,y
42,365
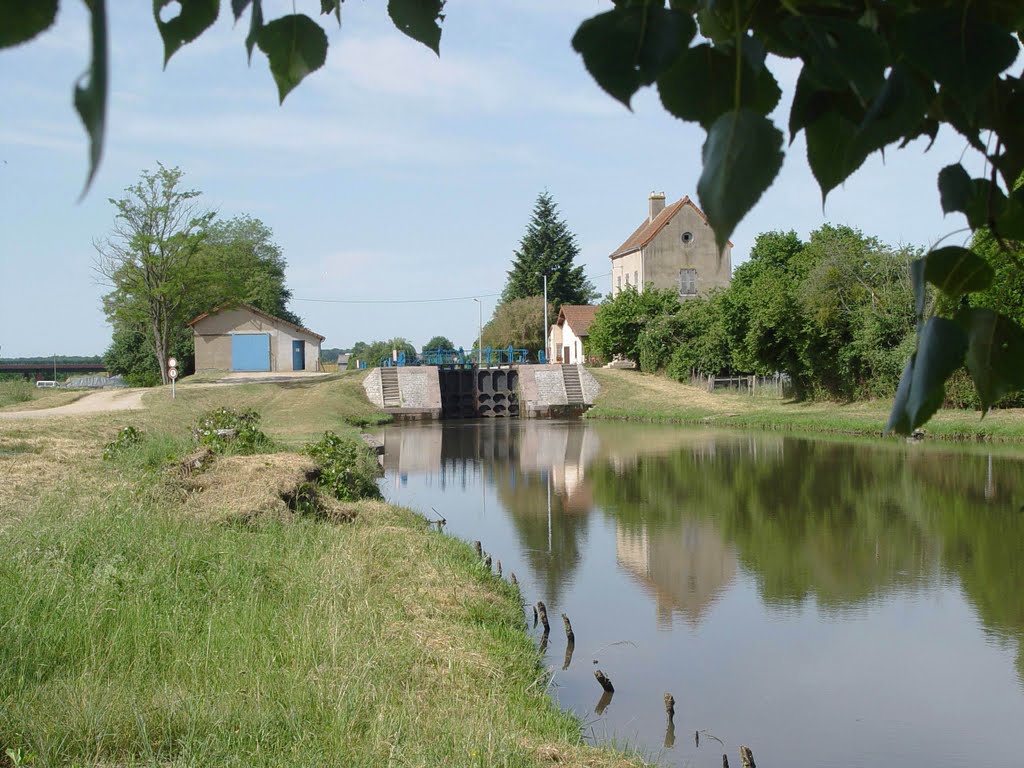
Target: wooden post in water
x,y
479,549
512,578
543,611
487,562
535,617
499,569
670,706
725,761
602,678
747,757
568,655
569,634
603,702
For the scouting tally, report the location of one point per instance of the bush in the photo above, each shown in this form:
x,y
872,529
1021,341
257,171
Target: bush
x,y
225,430
127,439
347,467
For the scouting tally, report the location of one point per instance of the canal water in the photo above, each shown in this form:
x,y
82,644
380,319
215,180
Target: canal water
x,y
825,603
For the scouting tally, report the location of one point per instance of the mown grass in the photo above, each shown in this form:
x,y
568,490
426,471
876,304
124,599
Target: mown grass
x,y
137,633
25,395
631,396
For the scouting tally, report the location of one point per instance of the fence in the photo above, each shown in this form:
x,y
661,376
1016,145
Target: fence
x,y
776,385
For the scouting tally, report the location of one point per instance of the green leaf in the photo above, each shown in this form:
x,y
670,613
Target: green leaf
x,y
956,271
255,25
839,54
941,345
961,52
331,6
24,19
955,188
897,111
629,47
833,150
699,85
995,353
419,19
917,282
91,97
194,18
295,46
238,7
742,156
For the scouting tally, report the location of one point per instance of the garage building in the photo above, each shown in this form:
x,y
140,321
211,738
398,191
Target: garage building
x,y
239,337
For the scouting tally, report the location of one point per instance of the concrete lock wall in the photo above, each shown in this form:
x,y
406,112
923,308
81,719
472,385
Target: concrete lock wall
x,y
373,389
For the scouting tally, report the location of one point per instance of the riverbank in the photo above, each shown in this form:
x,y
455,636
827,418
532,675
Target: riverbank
x,y
634,396
142,626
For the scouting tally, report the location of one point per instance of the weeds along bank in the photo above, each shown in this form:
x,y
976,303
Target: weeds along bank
x,y
194,600
634,396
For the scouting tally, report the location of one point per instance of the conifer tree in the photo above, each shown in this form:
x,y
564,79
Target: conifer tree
x,y
548,247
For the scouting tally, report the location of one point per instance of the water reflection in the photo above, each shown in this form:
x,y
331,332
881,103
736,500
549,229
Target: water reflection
x,y
878,550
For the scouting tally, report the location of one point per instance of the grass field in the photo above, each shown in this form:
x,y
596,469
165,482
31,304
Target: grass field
x,y
139,632
24,396
635,396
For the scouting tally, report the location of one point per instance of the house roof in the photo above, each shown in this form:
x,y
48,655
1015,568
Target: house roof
x,y
261,313
578,316
648,230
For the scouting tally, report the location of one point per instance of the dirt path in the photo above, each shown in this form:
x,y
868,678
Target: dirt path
x,y
98,402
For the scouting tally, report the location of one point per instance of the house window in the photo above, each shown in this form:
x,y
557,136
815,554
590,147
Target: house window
x,y
618,284
687,282
687,238
627,279
636,279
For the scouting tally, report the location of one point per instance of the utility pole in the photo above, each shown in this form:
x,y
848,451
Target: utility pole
x,y
546,316
54,366
480,334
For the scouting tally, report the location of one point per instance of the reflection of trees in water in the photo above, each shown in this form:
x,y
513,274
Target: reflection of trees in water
x,y
840,523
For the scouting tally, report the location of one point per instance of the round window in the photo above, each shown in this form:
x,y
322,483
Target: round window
x,y
687,237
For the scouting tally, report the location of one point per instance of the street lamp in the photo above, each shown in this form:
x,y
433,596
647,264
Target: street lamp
x,y
480,335
546,350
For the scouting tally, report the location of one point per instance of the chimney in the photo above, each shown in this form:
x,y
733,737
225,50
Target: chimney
x,y
656,202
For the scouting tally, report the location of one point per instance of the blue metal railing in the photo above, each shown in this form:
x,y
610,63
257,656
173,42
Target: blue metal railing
x,y
460,358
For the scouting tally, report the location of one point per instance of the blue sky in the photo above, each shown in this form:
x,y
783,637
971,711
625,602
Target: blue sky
x,y
388,174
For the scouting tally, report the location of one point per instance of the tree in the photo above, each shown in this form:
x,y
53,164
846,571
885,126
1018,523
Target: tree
x,y
518,323
873,75
548,247
438,342
372,353
146,259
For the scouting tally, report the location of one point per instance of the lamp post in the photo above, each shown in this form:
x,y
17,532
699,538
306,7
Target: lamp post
x,y
546,350
480,334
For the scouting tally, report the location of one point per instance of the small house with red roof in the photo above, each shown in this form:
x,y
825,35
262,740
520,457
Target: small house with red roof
x,y
674,247
567,338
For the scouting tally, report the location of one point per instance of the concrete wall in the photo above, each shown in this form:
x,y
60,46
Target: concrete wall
x,y
541,386
667,254
213,340
418,387
372,386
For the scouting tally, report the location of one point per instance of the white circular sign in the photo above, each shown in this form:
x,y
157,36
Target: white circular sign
x,y
172,362
173,373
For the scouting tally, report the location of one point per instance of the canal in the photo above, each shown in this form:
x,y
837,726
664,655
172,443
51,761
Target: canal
x,y
825,603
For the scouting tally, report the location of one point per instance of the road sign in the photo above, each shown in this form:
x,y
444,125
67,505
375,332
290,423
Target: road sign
x,y
173,373
172,362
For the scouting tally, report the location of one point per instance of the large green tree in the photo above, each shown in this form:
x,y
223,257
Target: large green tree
x,y
548,248
518,323
873,75
147,258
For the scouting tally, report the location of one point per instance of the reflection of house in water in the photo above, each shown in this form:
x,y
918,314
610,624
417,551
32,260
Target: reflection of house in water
x,y
686,566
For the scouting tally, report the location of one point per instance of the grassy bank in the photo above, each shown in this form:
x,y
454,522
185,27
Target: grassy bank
x,y
139,630
25,395
634,396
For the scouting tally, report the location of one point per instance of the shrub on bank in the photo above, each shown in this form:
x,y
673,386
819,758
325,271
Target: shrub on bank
x,y
225,430
348,470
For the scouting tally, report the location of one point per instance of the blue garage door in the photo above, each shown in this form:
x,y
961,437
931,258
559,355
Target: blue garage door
x,y
250,352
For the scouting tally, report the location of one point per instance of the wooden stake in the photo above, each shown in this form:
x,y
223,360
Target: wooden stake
x,y
512,577
568,655
499,569
535,617
487,562
543,643
602,678
747,758
725,761
479,549
603,702
543,611
569,634
670,735
670,706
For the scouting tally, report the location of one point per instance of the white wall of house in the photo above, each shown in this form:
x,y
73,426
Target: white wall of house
x,y
554,343
575,353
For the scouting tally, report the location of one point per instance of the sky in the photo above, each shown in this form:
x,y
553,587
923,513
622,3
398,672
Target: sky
x,y
390,174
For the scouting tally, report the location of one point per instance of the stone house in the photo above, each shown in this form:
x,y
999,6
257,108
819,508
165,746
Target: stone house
x,y
239,337
674,247
567,337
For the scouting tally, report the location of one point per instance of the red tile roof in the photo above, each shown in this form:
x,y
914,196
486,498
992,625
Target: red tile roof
x,y
261,313
578,316
648,230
